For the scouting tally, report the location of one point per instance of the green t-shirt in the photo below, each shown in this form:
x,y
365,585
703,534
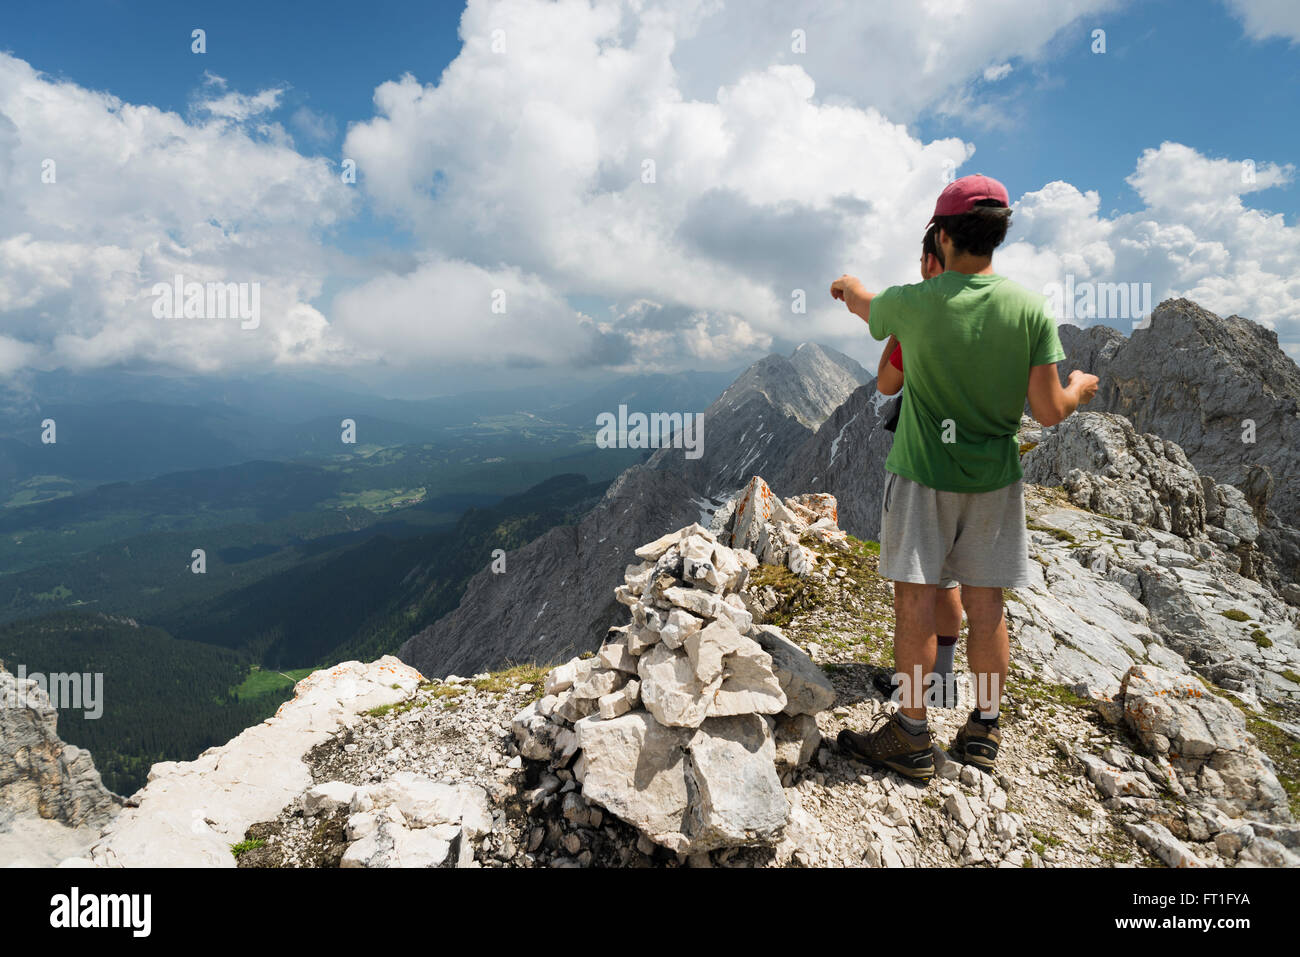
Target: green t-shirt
x,y
968,344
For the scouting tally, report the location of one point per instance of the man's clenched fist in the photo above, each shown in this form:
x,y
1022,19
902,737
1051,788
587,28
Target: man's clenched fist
x,y
844,282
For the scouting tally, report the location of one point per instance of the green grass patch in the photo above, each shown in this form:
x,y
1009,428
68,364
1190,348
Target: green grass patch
x,y
1045,840
244,847
1046,693
511,678
1261,639
399,707
264,680
57,593
1060,534
1235,614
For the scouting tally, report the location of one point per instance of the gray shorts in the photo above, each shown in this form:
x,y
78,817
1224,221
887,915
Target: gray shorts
x,y
928,537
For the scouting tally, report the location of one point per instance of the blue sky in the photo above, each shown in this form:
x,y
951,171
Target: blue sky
x,y
520,172
1180,71
1172,71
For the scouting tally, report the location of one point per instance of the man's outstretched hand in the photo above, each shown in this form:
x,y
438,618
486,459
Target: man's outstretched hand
x,y
1084,385
839,285
850,291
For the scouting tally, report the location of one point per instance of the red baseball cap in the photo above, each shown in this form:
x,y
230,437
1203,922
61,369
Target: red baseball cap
x,y
961,195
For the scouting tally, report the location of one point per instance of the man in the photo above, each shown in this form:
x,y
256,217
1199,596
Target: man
x,y
976,345
947,600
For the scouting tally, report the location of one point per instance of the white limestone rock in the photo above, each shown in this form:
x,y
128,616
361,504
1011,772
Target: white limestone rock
x,y
191,812
806,687
680,625
670,691
326,798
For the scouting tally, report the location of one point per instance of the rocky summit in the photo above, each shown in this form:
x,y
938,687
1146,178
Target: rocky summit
x,y
700,731
1220,387
662,685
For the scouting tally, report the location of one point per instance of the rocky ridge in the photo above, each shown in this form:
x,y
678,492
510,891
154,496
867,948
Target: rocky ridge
x,y
190,813
52,799
1143,559
1196,379
1114,753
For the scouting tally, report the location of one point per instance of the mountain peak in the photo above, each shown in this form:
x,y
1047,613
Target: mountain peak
x,y
808,385
1220,387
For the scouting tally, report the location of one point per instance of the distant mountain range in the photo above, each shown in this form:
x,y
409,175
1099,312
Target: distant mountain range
x,y
555,597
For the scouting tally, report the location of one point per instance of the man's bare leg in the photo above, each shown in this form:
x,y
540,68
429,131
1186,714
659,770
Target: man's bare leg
x,y
914,643
947,611
947,624
987,647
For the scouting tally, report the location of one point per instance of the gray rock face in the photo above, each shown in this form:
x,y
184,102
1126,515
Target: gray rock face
x,y
827,377
691,790
1205,739
1087,349
770,410
808,386
1119,585
40,775
846,457
1194,378
1106,467
555,597
807,689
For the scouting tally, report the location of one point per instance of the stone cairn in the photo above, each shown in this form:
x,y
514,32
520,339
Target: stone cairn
x,y
685,721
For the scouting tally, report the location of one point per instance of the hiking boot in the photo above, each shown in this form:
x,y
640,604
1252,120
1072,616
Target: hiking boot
x,y
977,743
889,745
883,681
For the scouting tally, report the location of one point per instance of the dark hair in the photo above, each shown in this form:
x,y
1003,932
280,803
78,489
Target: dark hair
x,y
980,231
930,244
